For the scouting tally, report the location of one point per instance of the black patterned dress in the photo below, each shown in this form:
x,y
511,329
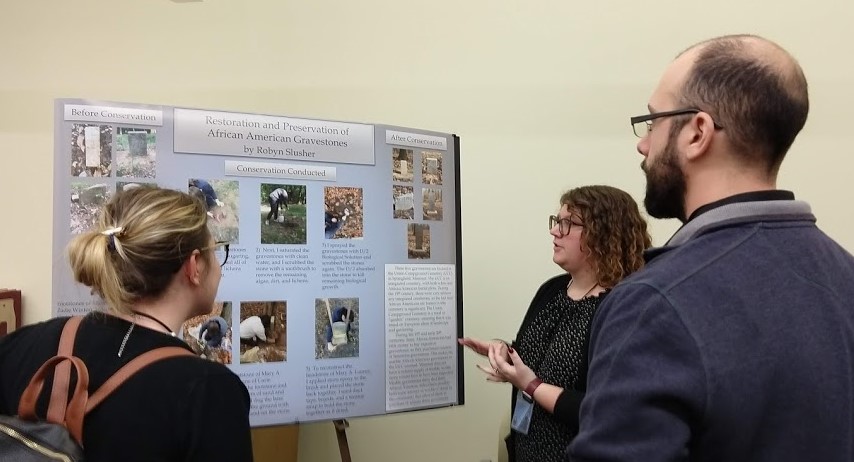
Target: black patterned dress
x,y
553,341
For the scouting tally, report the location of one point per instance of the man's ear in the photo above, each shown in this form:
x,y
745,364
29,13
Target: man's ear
x,y
700,131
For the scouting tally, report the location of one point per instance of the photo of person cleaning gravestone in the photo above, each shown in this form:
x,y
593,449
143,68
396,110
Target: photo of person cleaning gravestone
x,y
263,332
336,328
210,335
283,216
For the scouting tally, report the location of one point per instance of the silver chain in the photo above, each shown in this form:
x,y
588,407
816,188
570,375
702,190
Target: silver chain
x,y
125,340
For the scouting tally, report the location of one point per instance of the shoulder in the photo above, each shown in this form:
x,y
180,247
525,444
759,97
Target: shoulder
x,y
670,267
549,289
630,290
199,366
643,305
546,291
639,318
716,246
199,375
29,345
37,332
554,284
219,383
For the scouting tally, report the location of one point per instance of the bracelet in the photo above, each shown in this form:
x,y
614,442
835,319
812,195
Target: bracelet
x,y
528,393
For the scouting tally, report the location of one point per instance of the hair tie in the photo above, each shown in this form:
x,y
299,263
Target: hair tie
x,y
111,235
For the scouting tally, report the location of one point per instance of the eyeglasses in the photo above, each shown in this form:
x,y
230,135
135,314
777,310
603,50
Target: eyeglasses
x,y
642,125
220,249
564,224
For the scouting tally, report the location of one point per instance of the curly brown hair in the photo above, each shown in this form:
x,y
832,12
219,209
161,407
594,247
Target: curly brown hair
x,y
614,231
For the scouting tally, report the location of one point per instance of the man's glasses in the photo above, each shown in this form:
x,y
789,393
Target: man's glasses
x,y
220,249
642,125
564,224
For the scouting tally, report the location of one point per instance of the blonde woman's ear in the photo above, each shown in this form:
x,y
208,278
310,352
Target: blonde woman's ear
x,y
191,268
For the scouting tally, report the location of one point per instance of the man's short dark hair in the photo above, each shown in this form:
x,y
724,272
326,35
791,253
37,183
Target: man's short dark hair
x,y
761,104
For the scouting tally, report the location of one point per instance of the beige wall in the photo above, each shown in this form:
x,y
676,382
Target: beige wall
x,y
540,93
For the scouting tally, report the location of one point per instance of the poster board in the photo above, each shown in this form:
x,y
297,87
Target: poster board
x,y
344,268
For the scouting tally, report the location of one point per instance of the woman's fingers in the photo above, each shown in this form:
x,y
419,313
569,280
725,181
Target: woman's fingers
x,y
493,356
491,375
478,346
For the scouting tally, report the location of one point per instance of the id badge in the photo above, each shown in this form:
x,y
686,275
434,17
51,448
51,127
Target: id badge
x,y
521,414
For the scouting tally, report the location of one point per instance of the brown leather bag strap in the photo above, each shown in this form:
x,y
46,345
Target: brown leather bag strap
x,y
73,419
62,372
130,369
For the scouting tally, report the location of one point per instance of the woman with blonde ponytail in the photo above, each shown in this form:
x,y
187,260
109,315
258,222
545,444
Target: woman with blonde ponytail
x,y
155,264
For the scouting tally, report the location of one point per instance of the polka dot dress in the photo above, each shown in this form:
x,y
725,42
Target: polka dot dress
x,y
553,346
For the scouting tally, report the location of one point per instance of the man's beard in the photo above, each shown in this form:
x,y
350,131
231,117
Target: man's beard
x,y
665,184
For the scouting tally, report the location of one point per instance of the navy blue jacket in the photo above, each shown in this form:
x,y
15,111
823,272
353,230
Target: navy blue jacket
x,y
735,343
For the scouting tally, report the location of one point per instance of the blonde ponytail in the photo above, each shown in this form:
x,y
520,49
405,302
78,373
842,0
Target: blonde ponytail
x,y
142,238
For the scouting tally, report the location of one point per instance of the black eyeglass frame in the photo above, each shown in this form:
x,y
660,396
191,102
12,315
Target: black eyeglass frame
x,y
648,118
557,221
225,245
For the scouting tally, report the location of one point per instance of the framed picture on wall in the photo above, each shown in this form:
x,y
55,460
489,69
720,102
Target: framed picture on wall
x,y
10,310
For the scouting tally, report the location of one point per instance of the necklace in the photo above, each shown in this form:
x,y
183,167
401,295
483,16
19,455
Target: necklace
x,y
127,335
595,285
146,315
133,324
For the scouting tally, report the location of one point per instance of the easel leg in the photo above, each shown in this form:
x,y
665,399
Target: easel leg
x,y
341,432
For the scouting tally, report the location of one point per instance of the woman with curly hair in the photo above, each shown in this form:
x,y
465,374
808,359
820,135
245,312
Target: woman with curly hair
x,y
599,237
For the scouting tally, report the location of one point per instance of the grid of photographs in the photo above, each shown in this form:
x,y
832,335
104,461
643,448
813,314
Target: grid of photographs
x,y
407,197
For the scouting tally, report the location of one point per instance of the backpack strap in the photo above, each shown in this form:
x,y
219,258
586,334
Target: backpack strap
x,y
60,411
73,419
62,372
131,368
